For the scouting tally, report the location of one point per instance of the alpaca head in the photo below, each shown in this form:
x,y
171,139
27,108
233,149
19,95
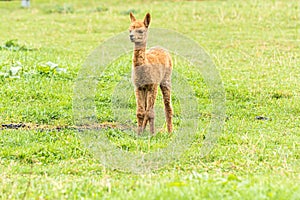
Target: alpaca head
x,y
138,29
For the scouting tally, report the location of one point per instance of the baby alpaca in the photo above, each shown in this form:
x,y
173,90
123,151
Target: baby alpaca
x,y
151,68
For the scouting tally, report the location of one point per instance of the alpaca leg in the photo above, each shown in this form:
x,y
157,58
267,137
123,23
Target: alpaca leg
x,y
166,92
140,95
149,115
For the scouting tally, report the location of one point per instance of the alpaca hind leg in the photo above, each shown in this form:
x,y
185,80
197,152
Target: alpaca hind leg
x,y
166,92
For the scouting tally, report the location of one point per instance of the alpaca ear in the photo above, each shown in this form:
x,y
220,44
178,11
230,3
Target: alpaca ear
x,y
147,20
132,18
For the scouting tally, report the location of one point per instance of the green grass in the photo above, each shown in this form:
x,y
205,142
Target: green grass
x,y
255,46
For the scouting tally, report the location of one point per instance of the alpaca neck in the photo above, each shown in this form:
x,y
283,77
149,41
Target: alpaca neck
x,y
139,54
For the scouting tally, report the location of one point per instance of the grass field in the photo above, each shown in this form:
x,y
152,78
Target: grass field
x,y
256,48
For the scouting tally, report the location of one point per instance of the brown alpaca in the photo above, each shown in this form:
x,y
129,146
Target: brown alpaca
x,y
150,69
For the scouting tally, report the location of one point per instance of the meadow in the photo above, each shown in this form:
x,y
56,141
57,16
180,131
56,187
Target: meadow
x,y
255,46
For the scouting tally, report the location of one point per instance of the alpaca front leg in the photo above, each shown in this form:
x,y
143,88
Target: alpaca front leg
x,y
151,121
150,114
140,108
